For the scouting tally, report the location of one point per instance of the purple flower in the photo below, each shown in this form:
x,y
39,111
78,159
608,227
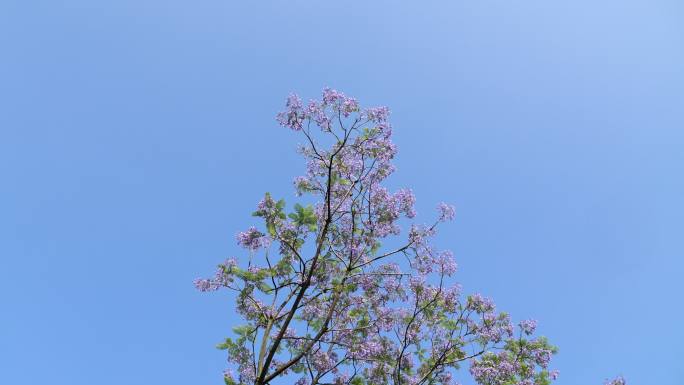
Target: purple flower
x,y
528,326
377,114
494,368
323,362
446,262
252,239
205,285
480,304
222,277
404,201
446,212
293,116
616,381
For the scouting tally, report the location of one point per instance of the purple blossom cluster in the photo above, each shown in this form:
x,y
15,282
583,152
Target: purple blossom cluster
x,y
512,365
446,212
616,381
528,326
222,278
252,239
335,304
323,113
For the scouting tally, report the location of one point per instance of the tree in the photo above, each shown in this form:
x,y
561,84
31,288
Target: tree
x,y
333,294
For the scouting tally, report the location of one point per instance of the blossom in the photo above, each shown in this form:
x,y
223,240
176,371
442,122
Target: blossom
x,y
446,212
367,349
494,368
222,277
404,201
377,114
616,381
252,239
528,326
323,362
479,303
445,261
292,117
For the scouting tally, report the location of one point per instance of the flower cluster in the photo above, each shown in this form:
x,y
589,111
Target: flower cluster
x,y
446,212
616,381
324,112
222,278
528,326
252,239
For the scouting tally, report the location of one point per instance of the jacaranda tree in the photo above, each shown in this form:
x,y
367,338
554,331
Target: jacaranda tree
x,y
333,293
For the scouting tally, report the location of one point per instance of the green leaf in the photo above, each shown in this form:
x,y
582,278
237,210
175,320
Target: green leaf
x,y
229,381
243,330
227,344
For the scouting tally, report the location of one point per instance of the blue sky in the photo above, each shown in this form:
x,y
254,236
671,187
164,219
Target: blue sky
x,y
136,137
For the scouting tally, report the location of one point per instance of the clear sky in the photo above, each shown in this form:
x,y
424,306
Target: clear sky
x,y
136,136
